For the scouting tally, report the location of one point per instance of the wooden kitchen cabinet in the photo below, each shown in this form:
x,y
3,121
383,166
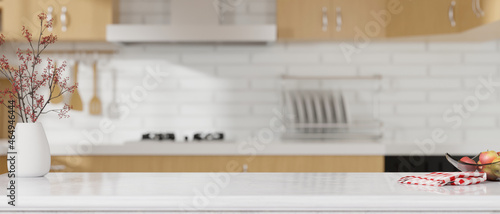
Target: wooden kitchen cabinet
x,y
356,17
219,163
424,17
10,19
303,20
325,19
75,20
317,164
476,13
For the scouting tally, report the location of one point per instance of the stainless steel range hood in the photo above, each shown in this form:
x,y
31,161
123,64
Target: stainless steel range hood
x,y
192,21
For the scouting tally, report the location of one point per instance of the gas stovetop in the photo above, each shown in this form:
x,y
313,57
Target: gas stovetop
x,y
171,137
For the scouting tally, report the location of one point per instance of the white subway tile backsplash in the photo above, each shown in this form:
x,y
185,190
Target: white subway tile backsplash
x,y
214,84
151,109
393,70
471,122
392,121
322,70
402,96
247,97
265,110
292,58
254,123
208,110
351,84
250,71
251,48
174,123
180,97
463,46
394,46
308,47
482,136
427,84
361,58
421,109
265,84
434,58
450,96
410,136
196,58
461,70
488,58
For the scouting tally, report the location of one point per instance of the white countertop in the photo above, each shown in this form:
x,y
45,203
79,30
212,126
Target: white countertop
x,y
244,192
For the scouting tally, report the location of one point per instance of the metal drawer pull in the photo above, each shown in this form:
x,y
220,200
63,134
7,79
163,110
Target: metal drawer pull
x,y
64,19
451,14
325,19
50,9
339,19
476,8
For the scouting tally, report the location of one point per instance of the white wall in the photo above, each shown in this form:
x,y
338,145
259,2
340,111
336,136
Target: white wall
x,y
233,88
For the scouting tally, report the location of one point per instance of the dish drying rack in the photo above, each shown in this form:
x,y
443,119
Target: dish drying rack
x,y
325,112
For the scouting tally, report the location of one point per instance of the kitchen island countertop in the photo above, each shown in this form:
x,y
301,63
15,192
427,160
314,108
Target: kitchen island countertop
x,y
243,192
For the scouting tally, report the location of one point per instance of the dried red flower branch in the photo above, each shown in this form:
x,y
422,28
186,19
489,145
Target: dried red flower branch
x,y
29,84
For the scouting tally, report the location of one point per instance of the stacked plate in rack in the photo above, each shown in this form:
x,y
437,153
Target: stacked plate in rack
x,y
323,114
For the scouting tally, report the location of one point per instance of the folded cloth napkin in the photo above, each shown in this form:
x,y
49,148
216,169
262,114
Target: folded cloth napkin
x,y
445,178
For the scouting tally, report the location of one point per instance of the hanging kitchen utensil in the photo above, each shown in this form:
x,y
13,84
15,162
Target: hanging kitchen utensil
x,y
57,90
95,105
76,100
113,108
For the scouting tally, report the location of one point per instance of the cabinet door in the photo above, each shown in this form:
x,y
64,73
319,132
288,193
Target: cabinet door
x,y
354,18
303,20
317,164
476,13
10,19
75,20
424,17
85,20
148,163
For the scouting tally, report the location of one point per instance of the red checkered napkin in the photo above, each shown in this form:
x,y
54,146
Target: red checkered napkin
x,y
445,178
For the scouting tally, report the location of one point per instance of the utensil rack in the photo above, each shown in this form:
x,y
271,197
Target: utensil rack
x,y
366,129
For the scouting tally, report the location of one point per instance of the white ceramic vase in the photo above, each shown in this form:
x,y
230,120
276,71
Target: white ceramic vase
x,y
33,153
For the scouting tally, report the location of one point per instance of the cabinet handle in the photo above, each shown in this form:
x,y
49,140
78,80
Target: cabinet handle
x,y
245,168
476,7
325,19
339,19
64,19
451,14
50,9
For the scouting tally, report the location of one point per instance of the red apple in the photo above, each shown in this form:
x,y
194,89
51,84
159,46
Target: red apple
x,y
466,167
487,157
